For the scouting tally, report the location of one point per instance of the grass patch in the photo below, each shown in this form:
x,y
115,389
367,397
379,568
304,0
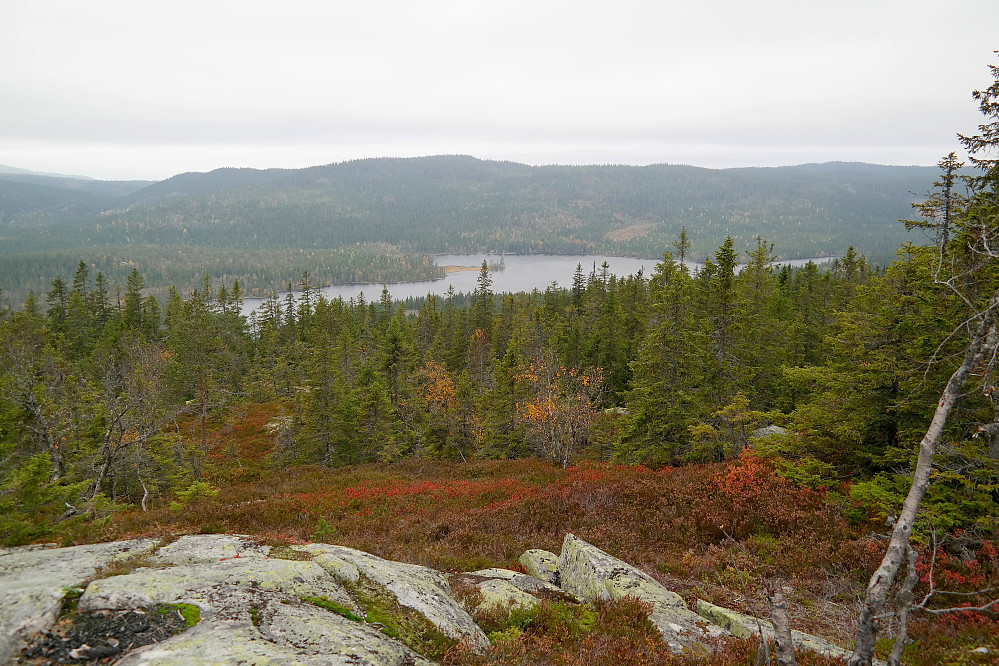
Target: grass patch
x,y
125,565
214,527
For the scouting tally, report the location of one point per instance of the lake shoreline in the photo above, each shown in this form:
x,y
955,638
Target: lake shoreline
x,y
520,273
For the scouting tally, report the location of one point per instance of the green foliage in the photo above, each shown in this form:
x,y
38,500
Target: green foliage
x,y
558,619
197,490
877,498
31,503
804,471
727,435
70,600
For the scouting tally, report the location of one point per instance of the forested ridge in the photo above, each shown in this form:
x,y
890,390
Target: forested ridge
x,y
267,227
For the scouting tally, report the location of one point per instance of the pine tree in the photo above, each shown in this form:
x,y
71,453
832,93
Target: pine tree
x,y
482,301
668,389
970,271
58,302
133,300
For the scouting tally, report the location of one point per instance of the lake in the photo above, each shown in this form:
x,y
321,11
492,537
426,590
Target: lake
x,y
520,273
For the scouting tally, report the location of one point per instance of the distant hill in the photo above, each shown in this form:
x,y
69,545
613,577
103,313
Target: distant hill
x,y
6,169
24,192
458,204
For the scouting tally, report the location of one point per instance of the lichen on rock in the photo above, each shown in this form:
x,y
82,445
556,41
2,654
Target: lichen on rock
x,y
541,564
419,588
593,575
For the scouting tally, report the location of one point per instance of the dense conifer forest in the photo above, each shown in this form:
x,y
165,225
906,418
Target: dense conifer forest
x,y
111,400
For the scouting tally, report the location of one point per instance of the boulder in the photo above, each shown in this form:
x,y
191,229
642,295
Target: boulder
x,y
512,589
541,564
592,574
529,584
501,594
767,432
743,626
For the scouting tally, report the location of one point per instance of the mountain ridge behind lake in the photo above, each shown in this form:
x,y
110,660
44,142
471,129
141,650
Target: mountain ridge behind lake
x,y
446,204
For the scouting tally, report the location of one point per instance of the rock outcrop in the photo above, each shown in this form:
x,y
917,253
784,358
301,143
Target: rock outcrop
x,y
743,626
592,574
424,590
34,581
768,431
232,600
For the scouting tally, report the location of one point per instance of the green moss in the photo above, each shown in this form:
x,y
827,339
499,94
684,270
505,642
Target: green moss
x,y
333,606
558,618
255,616
522,617
190,612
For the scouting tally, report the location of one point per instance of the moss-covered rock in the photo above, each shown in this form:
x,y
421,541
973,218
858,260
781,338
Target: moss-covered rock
x,y
501,594
205,548
258,604
523,582
188,584
419,588
286,633
592,574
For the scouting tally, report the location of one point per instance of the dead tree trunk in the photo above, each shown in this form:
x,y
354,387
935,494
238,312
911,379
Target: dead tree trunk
x,y
977,356
784,644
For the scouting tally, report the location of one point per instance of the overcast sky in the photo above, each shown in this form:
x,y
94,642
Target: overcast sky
x,y
128,89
